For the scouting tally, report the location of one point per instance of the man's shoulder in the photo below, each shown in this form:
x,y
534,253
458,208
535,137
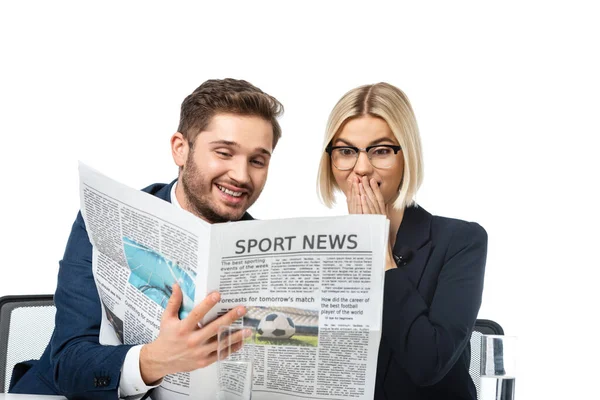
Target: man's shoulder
x,y
154,188
161,190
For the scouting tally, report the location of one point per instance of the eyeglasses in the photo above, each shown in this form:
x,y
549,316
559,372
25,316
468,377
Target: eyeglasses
x,y
381,156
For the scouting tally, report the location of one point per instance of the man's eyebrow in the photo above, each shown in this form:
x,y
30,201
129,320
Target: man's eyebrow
x,y
225,143
235,144
263,151
373,143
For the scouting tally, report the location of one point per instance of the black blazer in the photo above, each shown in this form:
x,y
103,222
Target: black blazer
x,y
430,305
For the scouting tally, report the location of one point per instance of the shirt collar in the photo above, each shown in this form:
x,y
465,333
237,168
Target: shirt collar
x,y
173,197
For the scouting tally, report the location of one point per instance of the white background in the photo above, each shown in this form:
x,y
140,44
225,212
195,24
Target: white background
x,y
506,95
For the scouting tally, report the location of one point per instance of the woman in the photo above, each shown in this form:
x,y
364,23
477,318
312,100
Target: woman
x,y
434,265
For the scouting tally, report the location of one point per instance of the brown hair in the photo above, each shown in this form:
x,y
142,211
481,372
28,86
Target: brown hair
x,y
227,96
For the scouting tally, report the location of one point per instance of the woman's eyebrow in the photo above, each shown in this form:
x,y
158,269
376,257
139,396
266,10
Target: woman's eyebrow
x,y
373,143
381,140
347,143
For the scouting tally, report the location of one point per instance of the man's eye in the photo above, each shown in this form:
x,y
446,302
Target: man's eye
x,y
258,163
223,154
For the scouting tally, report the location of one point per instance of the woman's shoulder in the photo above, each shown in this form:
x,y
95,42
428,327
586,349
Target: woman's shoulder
x,y
442,226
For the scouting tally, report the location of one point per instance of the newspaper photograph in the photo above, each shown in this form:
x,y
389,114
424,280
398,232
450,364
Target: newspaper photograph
x,y
313,289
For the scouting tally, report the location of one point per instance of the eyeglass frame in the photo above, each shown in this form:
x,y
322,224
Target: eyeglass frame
x,y
329,149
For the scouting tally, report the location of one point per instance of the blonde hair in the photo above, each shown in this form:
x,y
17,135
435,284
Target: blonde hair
x,y
391,104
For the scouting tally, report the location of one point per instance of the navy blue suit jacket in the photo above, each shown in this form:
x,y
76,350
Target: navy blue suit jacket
x,y
429,309
75,364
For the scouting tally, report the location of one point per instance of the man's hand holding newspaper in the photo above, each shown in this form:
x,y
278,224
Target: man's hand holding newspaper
x,y
183,345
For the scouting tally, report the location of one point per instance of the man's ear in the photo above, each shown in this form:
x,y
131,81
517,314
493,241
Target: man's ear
x,y
180,149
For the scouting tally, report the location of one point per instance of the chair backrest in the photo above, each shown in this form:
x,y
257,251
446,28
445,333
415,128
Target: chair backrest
x,y
482,327
26,324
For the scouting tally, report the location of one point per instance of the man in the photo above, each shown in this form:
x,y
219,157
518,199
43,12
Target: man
x,y
227,132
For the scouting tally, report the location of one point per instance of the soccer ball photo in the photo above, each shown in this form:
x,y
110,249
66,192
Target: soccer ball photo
x,y
276,325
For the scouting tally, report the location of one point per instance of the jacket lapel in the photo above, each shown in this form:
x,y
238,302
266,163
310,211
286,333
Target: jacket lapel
x,y
414,238
165,192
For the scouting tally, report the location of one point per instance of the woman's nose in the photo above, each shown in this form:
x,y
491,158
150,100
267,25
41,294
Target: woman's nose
x,y
363,165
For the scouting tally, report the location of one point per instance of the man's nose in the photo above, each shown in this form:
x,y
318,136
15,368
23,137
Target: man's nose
x,y
239,171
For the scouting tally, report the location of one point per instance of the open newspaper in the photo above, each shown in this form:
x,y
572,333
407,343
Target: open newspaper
x,y
313,288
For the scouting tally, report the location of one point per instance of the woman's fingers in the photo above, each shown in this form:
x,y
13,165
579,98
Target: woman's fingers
x,y
357,201
378,196
354,202
371,199
364,201
352,198
364,196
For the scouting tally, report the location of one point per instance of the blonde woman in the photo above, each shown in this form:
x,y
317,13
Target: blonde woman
x,y
434,265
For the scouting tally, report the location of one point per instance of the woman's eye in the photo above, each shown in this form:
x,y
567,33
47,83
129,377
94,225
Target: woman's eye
x,y
346,152
382,151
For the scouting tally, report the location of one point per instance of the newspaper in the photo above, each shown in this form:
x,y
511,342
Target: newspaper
x,y
320,278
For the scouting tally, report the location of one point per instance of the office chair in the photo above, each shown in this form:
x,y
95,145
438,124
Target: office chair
x,y
482,327
26,324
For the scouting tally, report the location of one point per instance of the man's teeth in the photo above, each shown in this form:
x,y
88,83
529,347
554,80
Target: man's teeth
x,y
229,192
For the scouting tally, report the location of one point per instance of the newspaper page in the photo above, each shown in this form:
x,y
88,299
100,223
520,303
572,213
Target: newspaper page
x,y
313,288
141,246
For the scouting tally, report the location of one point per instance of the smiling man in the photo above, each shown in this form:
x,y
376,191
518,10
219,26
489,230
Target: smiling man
x,y
223,147
223,170
227,132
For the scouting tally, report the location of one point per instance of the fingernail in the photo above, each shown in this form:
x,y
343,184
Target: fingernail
x,y
241,311
215,296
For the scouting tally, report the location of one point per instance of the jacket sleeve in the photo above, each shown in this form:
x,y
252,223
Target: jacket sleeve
x,y
81,366
427,340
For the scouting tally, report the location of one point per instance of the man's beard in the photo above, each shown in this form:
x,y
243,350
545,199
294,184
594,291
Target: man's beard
x,y
198,194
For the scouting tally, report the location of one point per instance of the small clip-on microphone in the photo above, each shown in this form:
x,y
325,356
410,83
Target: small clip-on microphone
x,y
404,256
